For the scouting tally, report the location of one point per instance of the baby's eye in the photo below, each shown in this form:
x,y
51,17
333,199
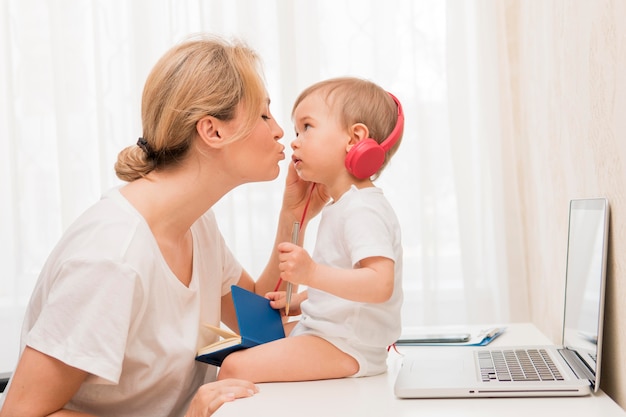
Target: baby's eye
x,y
306,126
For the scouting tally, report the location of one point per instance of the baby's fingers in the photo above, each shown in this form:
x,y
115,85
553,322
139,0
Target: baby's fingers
x,y
277,299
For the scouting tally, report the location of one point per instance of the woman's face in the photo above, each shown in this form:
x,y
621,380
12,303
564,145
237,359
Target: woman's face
x,y
256,157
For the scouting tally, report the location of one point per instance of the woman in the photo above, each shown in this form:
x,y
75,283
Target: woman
x,y
113,323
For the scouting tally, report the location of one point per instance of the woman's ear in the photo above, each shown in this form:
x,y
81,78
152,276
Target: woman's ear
x,y
358,132
208,131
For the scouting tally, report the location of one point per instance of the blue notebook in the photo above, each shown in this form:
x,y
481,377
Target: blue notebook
x,y
258,323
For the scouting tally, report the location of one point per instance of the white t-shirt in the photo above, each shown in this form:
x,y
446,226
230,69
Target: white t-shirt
x,y
361,224
106,302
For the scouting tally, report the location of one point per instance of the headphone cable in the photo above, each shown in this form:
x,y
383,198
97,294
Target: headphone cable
x,y
306,207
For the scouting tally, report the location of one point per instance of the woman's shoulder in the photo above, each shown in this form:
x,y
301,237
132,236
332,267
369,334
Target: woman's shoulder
x,y
104,230
206,225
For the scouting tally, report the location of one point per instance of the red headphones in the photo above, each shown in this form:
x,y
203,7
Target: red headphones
x,y
367,156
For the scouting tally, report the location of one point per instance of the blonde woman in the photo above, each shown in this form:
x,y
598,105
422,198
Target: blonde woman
x,y
113,323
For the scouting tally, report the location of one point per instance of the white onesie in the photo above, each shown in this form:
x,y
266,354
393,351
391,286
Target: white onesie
x,y
359,225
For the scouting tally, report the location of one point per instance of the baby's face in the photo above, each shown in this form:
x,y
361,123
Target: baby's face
x,y
321,143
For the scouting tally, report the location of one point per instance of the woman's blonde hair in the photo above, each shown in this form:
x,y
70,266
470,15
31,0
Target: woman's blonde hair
x,y
357,100
202,76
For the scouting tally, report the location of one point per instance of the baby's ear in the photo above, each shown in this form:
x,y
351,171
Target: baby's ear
x,y
358,132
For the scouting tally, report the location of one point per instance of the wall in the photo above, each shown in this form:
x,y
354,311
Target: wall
x,y
567,61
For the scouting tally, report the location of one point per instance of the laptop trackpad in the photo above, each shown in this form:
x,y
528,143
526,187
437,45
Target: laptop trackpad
x,y
441,367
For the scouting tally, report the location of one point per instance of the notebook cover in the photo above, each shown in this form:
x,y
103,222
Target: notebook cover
x,y
258,323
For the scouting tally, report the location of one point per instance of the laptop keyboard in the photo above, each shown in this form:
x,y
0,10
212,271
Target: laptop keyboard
x,y
517,365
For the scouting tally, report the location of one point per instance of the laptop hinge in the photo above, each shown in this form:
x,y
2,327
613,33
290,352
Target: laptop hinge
x,y
578,365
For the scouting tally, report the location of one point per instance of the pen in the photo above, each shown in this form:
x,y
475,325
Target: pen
x,y
294,239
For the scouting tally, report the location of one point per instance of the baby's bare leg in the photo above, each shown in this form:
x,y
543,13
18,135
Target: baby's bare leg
x,y
298,358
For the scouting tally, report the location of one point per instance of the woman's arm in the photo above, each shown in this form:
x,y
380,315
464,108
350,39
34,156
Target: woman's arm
x,y
229,317
299,197
41,386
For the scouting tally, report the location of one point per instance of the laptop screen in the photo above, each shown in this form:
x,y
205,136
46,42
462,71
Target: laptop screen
x,y
586,264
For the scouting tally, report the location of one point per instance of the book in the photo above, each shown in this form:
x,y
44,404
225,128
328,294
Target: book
x,y
258,323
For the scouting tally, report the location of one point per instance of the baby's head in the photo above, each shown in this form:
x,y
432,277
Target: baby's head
x,y
356,100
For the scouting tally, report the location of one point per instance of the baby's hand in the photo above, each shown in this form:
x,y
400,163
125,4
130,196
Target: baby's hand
x,y
278,301
295,264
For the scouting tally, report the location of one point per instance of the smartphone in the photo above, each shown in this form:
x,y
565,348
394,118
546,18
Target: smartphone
x,y
434,338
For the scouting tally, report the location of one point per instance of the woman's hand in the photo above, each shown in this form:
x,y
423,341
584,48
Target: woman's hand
x,y
297,193
213,395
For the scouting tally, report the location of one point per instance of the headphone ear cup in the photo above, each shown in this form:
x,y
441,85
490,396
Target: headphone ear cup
x,y
365,158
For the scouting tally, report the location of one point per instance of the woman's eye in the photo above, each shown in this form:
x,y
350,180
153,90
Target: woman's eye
x,y
265,117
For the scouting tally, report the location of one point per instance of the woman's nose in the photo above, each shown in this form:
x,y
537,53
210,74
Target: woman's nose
x,y
278,131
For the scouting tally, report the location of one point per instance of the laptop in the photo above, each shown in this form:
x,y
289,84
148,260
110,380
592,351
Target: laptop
x,y
572,369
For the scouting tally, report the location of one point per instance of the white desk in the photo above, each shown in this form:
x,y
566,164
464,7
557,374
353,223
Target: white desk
x,y
373,396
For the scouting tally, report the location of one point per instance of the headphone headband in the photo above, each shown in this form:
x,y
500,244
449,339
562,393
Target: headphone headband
x,y
396,133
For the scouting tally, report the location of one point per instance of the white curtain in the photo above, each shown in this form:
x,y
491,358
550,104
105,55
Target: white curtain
x,y
71,76
485,166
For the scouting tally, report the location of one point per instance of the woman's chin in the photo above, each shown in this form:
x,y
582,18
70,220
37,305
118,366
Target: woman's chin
x,y
269,176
